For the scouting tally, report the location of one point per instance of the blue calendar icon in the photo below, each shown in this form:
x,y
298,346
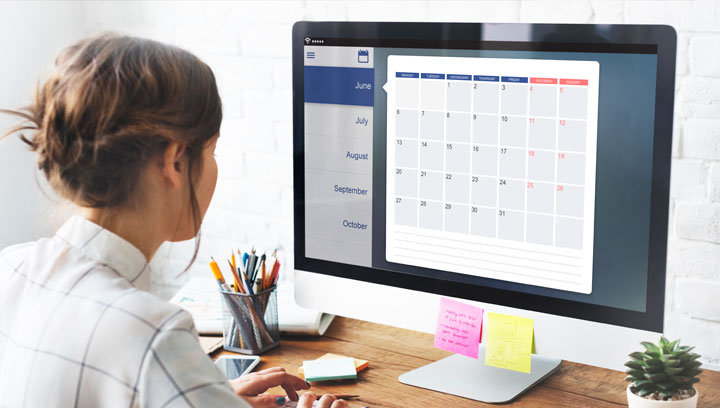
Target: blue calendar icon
x,y
363,56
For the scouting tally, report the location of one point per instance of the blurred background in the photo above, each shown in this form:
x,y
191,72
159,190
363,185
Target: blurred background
x,y
247,44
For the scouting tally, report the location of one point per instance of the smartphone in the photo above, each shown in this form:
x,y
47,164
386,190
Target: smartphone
x,y
236,366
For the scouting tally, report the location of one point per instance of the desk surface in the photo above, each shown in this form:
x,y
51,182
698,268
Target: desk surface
x,y
392,351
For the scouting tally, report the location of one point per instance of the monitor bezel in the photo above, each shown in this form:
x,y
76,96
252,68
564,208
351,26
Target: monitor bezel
x,y
494,35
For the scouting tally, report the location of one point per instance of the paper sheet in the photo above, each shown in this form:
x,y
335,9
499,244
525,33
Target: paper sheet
x,y
200,297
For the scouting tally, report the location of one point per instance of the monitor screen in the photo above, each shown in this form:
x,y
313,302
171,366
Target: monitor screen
x,y
514,172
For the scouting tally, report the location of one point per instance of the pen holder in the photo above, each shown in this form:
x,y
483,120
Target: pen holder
x,y
250,322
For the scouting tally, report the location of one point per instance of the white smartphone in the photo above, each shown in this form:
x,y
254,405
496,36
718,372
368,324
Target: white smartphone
x,y
236,366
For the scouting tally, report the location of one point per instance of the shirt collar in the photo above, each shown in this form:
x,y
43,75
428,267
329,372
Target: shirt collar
x,y
107,248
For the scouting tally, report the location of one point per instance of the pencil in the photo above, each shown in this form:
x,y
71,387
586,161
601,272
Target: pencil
x,y
262,273
340,396
274,274
268,280
238,287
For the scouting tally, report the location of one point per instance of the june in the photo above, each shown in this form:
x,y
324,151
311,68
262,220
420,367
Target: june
x,y
359,85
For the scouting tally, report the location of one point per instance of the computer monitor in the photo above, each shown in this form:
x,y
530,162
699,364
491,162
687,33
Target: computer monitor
x,y
524,167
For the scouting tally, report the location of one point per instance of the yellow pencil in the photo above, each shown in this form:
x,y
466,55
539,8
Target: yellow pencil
x,y
218,275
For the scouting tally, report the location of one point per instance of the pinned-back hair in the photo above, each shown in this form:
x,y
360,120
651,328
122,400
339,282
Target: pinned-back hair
x,y
111,104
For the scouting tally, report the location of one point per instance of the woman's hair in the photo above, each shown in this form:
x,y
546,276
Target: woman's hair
x,y
112,103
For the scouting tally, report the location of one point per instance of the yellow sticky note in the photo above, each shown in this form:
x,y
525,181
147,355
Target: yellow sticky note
x,y
508,342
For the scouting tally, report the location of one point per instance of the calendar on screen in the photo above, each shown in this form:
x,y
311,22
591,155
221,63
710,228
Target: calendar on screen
x,y
491,167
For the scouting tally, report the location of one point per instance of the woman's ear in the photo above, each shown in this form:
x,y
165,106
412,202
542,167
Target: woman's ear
x,y
172,163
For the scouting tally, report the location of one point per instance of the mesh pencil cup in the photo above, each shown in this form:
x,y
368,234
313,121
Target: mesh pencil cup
x,y
250,322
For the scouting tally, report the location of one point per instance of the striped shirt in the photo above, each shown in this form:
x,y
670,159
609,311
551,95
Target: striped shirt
x,y
78,328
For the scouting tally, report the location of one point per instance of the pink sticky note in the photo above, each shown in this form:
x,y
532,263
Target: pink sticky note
x,y
459,328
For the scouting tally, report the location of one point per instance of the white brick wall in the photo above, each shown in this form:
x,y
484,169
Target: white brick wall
x,y
248,45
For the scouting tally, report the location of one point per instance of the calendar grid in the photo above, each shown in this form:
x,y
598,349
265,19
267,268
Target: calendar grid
x,y
498,135
528,151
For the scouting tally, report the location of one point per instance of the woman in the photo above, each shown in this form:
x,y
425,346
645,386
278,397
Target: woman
x,y
125,128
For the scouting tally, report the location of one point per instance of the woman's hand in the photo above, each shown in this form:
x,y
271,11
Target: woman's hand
x,y
327,401
250,386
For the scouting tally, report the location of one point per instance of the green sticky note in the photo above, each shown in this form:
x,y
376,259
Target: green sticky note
x,y
508,342
333,369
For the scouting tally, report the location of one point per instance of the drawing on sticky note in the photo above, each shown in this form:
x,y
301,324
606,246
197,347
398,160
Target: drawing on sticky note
x,y
509,342
459,328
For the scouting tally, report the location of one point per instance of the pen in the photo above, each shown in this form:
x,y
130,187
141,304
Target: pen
x,y
249,287
252,260
260,265
244,279
241,280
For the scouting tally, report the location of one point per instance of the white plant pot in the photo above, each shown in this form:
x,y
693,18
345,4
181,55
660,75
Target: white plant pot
x,y
639,402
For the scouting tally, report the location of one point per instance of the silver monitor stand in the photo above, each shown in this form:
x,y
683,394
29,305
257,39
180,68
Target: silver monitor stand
x,y
470,378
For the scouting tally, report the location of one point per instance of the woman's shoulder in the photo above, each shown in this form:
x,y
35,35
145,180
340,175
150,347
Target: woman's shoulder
x,y
15,258
93,288
13,255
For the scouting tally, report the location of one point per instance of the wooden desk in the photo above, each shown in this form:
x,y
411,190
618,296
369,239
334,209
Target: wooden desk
x,y
392,351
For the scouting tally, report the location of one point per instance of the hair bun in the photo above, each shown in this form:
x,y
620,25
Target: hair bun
x,y
111,104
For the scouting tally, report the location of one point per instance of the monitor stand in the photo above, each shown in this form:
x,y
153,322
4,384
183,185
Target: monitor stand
x,y
470,378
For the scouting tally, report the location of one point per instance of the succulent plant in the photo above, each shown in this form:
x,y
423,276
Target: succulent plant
x,y
664,369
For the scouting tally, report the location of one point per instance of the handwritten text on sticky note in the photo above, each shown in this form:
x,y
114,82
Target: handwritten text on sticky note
x,y
459,328
509,342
